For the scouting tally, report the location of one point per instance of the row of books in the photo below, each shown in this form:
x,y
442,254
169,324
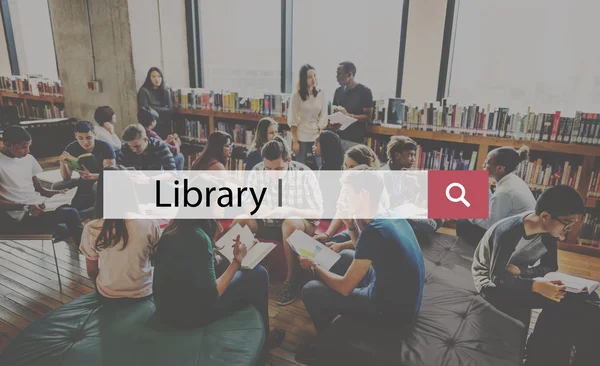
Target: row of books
x,y
242,134
31,84
584,128
589,234
540,175
37,111
594,186
195,129
227,101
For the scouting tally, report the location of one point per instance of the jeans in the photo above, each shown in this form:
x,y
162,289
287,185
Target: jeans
x,y
179,161
424,225
341,237
83,201
48,222
246,288
324,304
305,148
470,232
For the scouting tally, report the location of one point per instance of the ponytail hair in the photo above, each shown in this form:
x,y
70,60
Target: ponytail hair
x,y
509,157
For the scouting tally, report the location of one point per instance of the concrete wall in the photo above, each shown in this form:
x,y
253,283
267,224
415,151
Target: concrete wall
x,y
113,57
4,60
159,38
424,36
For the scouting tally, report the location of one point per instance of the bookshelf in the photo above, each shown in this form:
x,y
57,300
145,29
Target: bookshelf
x,y
32,107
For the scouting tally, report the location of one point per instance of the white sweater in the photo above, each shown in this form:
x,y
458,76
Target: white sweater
x,y
308,115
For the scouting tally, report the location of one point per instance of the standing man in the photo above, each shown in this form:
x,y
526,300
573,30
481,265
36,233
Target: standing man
x,y
355,100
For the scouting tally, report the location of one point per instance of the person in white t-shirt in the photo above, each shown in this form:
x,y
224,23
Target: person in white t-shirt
x,y
308,113
117,251
22,196
106,118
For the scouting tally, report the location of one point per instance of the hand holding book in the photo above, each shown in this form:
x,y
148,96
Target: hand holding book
x,y
239,250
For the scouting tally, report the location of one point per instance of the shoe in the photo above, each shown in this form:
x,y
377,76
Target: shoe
x,y
275,338
306,353
287,294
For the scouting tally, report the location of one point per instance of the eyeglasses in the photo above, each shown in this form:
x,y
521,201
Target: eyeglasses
x,y
568,224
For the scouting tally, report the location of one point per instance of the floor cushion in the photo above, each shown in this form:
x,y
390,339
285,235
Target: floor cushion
x,y
455,326
84,332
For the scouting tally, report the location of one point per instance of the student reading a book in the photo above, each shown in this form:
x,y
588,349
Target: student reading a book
x,y
216,153
88,156
355,156
355,100
117,251
511,197
106,118
304,192
382,281
401,153
308,113
22,196
154,93
505,273
144,153
148,118
189,293
266,130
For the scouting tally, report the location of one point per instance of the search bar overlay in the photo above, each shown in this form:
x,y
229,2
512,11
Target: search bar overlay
x,y
303,194
458,194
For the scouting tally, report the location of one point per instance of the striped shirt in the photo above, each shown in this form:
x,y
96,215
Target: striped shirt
x,y
157,156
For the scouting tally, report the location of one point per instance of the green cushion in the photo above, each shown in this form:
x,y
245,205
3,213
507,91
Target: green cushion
x,y
84,332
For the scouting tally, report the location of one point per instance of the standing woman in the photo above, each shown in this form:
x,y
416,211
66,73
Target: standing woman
x,y
216,154
308,113
266,130
156,95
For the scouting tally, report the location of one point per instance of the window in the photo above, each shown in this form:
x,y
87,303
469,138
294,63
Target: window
x,y
33,37
241,45
515,54
367,33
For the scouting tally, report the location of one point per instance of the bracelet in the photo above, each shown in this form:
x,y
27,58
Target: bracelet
x,y
327,235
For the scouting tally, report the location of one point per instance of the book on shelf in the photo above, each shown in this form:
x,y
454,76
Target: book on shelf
x,y
540,175
269,104
242,134
256,251
195,129
33,84
573,284
589,233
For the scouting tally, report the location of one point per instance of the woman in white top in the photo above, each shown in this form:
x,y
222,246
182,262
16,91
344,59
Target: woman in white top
x,y
117,251
308,113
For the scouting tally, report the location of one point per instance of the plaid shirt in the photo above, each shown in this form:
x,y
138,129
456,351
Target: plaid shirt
x,y
300,191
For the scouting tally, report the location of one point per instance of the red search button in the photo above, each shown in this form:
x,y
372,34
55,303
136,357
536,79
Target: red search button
x,y
457,194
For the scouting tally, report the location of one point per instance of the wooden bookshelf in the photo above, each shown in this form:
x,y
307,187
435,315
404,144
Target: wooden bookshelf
x,y
7,97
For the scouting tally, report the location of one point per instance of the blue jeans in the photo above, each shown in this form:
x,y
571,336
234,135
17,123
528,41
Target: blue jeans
x,y
424,225
246,288
179,161
305,148
324,304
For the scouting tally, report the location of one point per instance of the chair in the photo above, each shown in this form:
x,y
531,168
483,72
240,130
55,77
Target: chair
x,y
41,237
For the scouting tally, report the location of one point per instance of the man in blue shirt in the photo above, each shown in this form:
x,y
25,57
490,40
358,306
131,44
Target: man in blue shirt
x,y
382,280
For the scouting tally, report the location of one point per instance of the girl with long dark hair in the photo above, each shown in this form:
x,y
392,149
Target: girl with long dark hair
x,y
266,130
216,154
328,147
117,251
156,95
308,113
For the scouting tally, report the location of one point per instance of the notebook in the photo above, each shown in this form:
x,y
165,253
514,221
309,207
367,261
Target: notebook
x,y
574,284
256,253
306,246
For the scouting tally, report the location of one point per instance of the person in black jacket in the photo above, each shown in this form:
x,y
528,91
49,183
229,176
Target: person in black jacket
x,y
156,95
144,153
508,275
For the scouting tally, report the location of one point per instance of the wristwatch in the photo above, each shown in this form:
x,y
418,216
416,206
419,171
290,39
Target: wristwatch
x,y
312,268
26,208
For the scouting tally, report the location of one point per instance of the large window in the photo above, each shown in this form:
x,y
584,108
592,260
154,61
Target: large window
x,y
327,32
241,43
538,53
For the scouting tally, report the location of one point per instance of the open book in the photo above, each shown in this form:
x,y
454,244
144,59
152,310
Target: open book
x,y
341,118
256,253
574,284
84,159
60,199
306,246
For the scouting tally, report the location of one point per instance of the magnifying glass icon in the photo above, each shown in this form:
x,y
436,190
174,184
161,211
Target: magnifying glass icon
x,y
462,194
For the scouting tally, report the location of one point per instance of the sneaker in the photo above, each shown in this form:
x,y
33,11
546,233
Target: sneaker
x,y
287,294
306,353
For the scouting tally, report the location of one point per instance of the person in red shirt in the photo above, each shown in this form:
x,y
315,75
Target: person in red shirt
x,y
148,118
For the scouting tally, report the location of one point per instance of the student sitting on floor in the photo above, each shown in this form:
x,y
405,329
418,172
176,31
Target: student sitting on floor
x,y
117,251
277,156
355,156
505,275
144,153
401,152
266,130
22,195
216,154
85,143
511,197
106,118
148,118
189,293
382,281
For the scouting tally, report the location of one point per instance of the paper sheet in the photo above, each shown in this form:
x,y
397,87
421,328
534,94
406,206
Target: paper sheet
x,y
306,246
344,120
60,199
